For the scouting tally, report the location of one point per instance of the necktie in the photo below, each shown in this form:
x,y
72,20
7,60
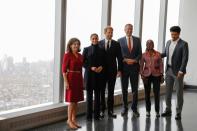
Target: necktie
x,y
108,45
129,44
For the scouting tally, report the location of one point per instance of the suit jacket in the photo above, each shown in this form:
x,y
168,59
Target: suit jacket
x,y
179,57
151,66
93,56
136,53
112,56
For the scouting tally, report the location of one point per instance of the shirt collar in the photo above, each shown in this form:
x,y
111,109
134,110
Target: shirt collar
x,y
176,41
106,40
128,37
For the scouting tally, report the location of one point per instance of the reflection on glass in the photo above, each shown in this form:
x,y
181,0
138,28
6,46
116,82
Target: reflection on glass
x,y
124,125
168,124
26,53
148,124
179,125
157,124
135,124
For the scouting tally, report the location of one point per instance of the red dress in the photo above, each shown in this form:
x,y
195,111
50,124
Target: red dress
x,y
73,66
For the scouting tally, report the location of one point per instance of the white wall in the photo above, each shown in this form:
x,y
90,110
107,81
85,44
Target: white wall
x,y
188,24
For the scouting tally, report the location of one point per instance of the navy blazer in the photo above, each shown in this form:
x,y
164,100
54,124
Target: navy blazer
x,y
179,57
136,52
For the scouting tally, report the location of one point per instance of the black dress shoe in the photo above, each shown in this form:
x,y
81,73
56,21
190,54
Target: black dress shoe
x,y
178,116
136,114
166,113
124,112
98,118
102,114
111,114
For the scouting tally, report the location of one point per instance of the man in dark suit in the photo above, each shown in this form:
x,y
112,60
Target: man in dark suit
x,y
131,52
176,52
94,60
112,56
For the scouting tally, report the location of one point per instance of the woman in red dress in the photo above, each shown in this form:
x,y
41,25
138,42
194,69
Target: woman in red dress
x,y
72,73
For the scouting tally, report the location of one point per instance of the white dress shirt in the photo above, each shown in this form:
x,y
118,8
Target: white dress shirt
x,y
131,38
171,50
106,43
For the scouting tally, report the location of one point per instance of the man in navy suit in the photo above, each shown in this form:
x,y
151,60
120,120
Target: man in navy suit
x,y
177,53
131,52
112,68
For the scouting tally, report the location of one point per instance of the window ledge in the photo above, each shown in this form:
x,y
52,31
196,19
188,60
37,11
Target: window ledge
x,y
30,117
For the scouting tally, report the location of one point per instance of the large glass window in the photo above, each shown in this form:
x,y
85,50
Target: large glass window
x,y
172,16
83,19
122,13
150,22
26,52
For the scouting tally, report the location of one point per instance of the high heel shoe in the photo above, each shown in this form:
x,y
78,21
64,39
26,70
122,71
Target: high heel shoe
x,y
71,125
75,123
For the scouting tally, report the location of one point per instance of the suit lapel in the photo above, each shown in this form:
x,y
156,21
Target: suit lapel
x,y
102,44
176,47
134,43
168,48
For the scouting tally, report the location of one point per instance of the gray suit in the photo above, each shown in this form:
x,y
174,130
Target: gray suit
x,y
130,71
178,63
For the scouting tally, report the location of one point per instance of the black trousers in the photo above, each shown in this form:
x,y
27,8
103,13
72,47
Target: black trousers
x,y
155,80
109,83
133,76
94,87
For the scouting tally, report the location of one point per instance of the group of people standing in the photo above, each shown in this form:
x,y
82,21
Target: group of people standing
x,y
107,59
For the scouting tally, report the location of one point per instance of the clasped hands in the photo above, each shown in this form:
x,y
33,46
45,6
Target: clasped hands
x,y
97,69
129,61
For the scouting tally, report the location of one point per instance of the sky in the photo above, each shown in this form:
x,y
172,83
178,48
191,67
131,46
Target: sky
x,y
27,29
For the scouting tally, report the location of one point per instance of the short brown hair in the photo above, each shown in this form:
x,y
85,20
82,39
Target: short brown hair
x,y
72,41
106,28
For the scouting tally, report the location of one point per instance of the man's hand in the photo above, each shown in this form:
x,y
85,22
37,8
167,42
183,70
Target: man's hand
x,y
180,74
144,79
119,73
99,69
162,79
66,85
129,61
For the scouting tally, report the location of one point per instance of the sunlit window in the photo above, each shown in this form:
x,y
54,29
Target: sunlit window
x,y
26,52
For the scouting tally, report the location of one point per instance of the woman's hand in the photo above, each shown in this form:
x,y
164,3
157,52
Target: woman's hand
x,y
144,79
93,69
66,85
161,79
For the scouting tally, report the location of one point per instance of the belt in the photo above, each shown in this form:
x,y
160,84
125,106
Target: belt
x,y
74,71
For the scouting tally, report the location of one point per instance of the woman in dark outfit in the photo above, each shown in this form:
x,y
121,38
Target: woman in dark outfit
x,y
93,63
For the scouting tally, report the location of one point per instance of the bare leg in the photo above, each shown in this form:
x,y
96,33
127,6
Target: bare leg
x,y
74,115
69,121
